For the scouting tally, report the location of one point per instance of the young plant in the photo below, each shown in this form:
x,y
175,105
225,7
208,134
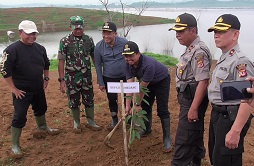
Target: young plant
x,y
137,118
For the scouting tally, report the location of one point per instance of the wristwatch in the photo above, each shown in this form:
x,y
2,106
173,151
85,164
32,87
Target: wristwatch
x,y
60,79
46,78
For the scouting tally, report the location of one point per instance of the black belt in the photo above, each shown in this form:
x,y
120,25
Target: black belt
x,y
219,106
222,108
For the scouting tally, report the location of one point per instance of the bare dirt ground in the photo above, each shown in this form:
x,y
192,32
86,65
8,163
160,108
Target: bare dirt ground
x,y
88,148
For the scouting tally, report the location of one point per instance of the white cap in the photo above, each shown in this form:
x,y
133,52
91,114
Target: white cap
x,y
28,26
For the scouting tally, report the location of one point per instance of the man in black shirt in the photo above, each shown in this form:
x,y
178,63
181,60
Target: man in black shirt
x,y
25,68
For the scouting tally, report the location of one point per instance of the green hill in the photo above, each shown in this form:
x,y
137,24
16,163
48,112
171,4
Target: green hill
x,y
57,19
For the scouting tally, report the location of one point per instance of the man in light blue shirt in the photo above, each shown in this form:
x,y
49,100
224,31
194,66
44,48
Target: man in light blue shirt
x,y
109,64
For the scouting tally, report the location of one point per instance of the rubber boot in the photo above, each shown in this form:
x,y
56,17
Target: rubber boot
x,y
148,130
166,135
15,135
114,121
43,128
90,119
76,120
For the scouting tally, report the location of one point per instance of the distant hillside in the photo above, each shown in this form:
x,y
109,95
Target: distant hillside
x,y
49,19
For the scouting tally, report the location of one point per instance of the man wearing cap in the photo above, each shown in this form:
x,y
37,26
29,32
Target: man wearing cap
x,y
192,78
233,65
75,74
109,64
154,76
25,68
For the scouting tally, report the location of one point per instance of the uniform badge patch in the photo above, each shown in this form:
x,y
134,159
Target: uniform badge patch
x,y
242,70
200,60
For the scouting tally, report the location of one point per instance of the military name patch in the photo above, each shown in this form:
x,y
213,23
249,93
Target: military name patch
x,y
242,70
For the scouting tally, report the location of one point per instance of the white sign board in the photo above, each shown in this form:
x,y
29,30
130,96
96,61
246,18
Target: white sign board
x,y
128,87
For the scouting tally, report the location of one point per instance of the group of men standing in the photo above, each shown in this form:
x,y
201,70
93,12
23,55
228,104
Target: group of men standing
x,y
25,68
194,93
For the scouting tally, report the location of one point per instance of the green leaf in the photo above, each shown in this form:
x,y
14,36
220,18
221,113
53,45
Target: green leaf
x,y
132,137
143,112
128,97
143,117
146,101
127,118
137,135
141,122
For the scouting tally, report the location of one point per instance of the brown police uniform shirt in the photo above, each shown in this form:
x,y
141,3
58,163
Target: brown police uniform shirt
x,y
232,66
194,65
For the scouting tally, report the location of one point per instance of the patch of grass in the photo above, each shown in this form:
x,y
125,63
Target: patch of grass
x,y
164,59
53,64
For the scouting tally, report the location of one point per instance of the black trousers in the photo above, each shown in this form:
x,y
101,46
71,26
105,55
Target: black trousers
x,y
39,106
220,124
159,90
112,97
189,139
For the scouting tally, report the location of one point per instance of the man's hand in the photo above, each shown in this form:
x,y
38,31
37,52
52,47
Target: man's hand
x,y
250,90
137,108
232,139
192,115
128,110
102,88
62,86
18,93
45,84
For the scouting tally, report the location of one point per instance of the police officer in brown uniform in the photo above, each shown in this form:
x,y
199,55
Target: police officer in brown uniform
x,y
192,82
233,65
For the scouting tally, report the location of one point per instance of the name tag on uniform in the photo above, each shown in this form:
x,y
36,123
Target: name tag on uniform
x,y
223,68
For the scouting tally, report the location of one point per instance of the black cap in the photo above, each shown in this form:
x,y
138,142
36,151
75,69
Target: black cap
x,y
183,21
130,48
225,22
109,26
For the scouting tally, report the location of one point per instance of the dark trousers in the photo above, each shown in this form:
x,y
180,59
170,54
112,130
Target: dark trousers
x,y
112,97
159,90
220,124
189,139
39,106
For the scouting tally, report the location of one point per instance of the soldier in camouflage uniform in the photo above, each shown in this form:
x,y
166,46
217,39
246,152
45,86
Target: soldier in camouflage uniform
x,y
76,78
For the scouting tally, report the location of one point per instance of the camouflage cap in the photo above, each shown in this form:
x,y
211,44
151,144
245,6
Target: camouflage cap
x,y
76,22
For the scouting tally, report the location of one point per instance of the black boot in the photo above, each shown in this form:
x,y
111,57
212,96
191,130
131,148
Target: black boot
x,y
166,135
114,121
144,133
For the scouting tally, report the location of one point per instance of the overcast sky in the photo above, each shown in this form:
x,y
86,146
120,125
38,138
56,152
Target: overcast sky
x,y
73,2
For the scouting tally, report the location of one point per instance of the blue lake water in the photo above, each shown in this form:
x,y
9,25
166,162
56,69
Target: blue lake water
x,y
157,38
